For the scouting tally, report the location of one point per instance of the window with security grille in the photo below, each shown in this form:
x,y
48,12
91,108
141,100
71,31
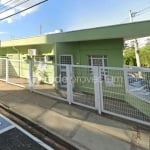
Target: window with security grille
x,y
66,59
101,61
98,61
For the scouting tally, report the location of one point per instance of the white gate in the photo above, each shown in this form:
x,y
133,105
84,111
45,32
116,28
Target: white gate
x,y
47,79
64,60
17,72
84,86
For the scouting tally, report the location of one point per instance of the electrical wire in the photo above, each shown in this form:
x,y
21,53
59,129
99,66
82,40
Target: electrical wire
x,y
144,9
22,10
138,13
8,3
14,6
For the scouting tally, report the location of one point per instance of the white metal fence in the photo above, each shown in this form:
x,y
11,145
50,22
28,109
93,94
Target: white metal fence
x,y
17,72
126,94
3,69
83,86
123,92
50,80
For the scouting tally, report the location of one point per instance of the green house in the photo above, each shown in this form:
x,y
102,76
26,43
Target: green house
x,y
101,46
81,50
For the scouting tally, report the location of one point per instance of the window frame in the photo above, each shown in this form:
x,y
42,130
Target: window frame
x,y
104,59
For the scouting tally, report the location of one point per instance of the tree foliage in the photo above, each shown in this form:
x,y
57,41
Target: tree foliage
x,y
129,56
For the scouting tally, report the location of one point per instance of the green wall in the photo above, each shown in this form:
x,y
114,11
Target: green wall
x,y
21,69
67,49
81,50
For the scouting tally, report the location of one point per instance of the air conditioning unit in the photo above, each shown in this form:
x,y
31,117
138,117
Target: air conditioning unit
x,y
32,52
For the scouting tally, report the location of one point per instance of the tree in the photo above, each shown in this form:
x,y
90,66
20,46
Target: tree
x,y
145,56
129,57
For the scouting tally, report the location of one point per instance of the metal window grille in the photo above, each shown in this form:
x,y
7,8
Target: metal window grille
x,y
65,59
101,61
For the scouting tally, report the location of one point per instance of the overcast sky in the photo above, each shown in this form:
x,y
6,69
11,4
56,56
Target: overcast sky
x,y
67,15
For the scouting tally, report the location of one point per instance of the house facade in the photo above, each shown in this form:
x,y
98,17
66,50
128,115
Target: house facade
x,y
89,52
102,46
117,93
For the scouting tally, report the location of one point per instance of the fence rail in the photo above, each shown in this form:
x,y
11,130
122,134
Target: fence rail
x,y
123,92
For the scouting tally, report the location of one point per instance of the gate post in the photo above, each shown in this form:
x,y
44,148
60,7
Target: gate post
x,y
97,89
125,70
30,75
69,84
7,70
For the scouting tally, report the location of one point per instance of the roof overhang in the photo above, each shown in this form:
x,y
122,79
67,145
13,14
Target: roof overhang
x,y
122,31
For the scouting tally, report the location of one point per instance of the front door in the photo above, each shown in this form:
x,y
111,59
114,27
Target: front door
x,y
64,60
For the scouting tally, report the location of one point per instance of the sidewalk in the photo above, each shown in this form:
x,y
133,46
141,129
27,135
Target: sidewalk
x,y
82,127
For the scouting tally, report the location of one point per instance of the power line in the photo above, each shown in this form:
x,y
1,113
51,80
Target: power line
x,y
10,2
14,6
144,9
137,13
6,3
140,12
23,10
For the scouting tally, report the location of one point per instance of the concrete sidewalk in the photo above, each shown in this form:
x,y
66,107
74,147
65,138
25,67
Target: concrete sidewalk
x,y
82,127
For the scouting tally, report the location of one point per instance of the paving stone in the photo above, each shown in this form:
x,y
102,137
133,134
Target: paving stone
x,y
11,100
144,139
28,110
58,123
111,127
42,101
70,111
93,139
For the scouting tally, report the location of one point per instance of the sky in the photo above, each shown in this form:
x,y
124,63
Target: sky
x,y
67,15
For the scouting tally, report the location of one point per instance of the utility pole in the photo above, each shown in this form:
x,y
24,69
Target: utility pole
x,y
132,15
40,29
